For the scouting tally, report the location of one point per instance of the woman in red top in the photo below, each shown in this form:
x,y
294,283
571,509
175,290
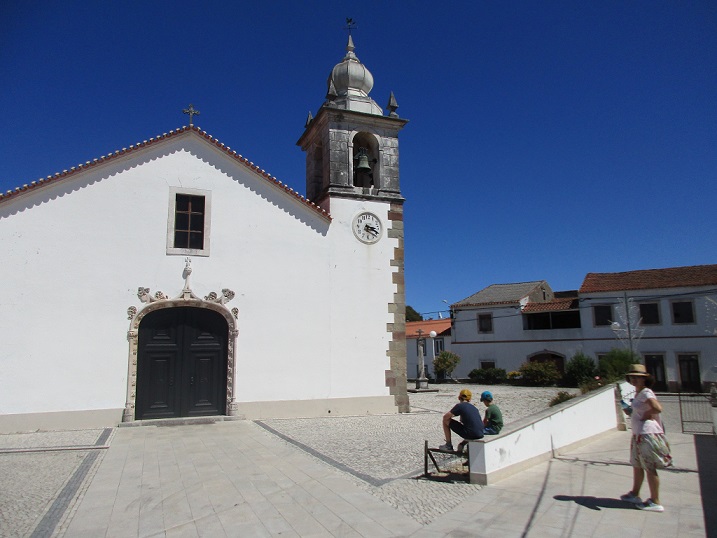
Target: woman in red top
x,y
649,449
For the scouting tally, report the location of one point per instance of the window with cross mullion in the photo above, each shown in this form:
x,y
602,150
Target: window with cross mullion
x,y
189,222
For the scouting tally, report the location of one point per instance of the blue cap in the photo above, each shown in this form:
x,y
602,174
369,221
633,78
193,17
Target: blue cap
x,y
486,396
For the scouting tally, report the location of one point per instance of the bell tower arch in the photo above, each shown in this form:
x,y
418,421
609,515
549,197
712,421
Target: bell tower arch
x,y
351,146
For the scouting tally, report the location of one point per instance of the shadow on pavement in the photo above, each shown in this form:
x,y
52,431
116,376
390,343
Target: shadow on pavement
x,y
706,451
595,503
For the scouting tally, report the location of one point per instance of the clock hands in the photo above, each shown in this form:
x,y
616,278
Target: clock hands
x,y
367,227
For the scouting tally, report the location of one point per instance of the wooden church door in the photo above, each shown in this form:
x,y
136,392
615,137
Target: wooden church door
x,y
181,364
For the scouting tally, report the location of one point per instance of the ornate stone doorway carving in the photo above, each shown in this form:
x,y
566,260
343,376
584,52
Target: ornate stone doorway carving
x,y
187,301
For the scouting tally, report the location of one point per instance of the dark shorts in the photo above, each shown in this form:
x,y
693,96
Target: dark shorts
x,y
459,429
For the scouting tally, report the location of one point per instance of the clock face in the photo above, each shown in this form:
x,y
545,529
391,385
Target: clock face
x,y
367,227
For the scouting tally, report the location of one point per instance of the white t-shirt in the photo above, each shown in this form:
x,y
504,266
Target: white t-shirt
x,y
640,408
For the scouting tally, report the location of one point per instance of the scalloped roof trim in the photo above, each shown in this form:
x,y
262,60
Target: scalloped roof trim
x,y
146,143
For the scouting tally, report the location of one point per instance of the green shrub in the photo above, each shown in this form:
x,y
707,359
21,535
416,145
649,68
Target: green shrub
x,y
445,363
539,374
560,397
514,376
580,369
488,376
615,364
592,384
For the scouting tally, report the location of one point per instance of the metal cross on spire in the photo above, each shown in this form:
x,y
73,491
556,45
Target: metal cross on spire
x,y
350,25
192,112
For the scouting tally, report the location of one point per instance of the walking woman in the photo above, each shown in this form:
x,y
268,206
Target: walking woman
x,y
649,449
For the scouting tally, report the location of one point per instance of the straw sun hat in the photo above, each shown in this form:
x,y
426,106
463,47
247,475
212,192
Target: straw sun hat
x,y
637,370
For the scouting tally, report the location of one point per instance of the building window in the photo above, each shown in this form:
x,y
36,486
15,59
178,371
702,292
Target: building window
x,y
682,312
485,323
536,322
650,313
689,366
485,365
438,345
189,221
568,319
655,364
602,314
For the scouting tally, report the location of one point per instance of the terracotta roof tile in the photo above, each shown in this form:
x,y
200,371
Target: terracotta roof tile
x,y
672,277
441,326
146,143
551,306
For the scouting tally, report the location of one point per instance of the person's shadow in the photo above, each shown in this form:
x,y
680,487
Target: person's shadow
x,y
596,503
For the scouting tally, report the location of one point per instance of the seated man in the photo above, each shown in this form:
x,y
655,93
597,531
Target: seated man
x,y
469,428
493,419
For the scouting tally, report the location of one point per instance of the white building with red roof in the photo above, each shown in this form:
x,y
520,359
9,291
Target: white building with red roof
x,y
175,278
425,340
666,316
505,325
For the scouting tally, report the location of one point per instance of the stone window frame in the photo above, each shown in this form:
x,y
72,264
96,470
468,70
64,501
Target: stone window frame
x,y
171,216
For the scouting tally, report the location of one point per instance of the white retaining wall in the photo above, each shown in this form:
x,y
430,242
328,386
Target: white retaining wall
x,y
542,436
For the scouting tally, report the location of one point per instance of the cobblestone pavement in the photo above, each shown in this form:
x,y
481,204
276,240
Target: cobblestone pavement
x,y
43,475
384,453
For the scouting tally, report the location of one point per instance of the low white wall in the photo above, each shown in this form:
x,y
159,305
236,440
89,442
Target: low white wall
x,y
542,436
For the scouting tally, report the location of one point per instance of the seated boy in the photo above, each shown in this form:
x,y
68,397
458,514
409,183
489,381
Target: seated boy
x,y
470,427
493,420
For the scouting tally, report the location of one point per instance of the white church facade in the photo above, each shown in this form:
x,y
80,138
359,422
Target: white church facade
x,y
175,278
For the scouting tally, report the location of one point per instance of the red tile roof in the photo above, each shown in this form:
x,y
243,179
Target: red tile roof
x,y
551,306
441,326
147,143
672,277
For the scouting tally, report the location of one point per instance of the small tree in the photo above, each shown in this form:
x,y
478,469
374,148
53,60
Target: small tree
x,y
412,315
445,363
580,369
616,363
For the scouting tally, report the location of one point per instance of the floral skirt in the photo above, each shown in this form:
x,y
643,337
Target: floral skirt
x,y
650,451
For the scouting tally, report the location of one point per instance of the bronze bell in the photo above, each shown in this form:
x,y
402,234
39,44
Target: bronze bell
x,y
363,161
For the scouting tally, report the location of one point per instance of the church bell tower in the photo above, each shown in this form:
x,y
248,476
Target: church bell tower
x,y
351,151
351,146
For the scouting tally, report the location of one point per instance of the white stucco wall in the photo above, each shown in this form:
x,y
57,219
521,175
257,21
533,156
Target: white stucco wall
x,y
667,338
312,300
509,345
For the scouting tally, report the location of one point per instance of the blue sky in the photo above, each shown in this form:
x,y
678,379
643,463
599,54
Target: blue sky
x,y
546,139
